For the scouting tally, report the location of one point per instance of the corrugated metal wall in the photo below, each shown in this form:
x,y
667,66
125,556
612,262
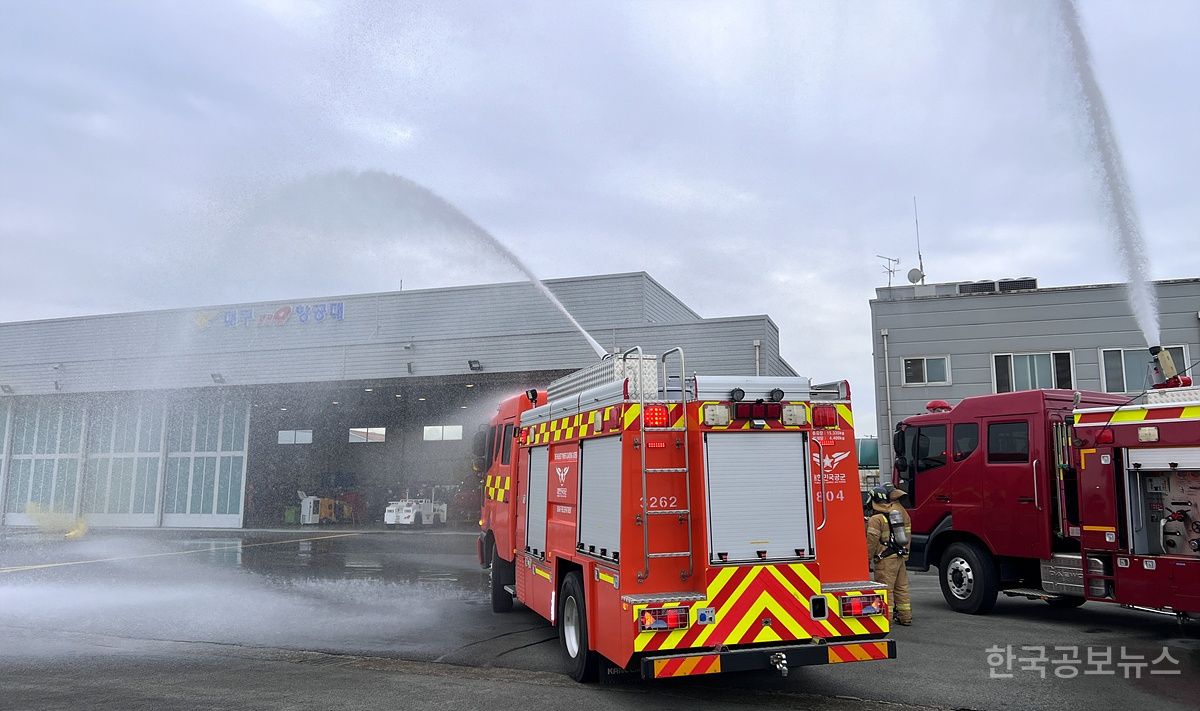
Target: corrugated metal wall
x,y
506,327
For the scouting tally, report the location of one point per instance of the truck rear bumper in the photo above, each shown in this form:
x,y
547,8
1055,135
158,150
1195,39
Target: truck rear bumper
x,y
661,667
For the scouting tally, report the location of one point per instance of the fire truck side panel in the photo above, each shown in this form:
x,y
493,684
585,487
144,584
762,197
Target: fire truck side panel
x,y
841,541
1099,499
563,498
608,636
600,496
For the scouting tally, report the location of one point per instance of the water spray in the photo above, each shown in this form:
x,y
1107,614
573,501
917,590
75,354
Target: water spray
x,y
1114,180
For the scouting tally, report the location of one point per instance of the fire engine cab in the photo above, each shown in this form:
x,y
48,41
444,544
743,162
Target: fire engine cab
x,y
678,525
1060,496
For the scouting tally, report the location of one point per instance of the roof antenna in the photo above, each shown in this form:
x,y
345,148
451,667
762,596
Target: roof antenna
x,y
920,262
889,267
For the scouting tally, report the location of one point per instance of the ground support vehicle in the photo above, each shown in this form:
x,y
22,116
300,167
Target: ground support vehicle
x,y
418,512
671,525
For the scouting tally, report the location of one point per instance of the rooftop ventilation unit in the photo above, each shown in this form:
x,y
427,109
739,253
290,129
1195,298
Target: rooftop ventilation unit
x,y
979,287
1021,284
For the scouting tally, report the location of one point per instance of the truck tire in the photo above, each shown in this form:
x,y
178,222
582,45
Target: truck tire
x,y
970,581
503,572
572,630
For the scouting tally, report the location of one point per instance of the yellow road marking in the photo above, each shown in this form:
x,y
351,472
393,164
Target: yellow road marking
x,y
40,566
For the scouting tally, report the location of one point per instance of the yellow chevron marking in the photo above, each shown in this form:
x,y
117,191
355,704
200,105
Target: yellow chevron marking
x,y
1129,415
844,411
809,579
737,593
766,603
1191,413
631,415
768,634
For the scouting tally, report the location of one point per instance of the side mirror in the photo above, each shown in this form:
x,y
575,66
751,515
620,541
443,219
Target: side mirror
x,y
898,442
479,444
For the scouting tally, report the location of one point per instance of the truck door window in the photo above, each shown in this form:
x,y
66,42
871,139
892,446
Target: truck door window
x,y
966,440
1008,442
931,447
506,452
490,447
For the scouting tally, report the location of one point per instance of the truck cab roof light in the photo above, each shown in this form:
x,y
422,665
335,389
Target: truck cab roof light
x,y
737,394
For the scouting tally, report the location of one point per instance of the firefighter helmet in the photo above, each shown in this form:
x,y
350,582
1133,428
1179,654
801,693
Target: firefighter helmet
x,y
881,494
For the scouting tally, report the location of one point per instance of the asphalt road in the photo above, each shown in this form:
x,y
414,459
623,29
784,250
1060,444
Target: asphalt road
x,y
323,619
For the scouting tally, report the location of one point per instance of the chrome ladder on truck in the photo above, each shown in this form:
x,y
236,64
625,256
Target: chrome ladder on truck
x,y
663,390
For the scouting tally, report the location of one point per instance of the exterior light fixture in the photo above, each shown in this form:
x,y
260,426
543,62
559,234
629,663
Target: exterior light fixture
x,y
368,390
737,394
474,365
397,394
218,378
421,399
335,402
777,395
283,409
462,407
470,385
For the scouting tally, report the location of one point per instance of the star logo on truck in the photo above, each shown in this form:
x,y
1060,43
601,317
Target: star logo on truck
x,y
830,461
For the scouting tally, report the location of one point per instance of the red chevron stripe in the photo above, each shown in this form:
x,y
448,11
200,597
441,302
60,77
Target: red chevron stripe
x,y
781,595
671,666
705,664
716,603
832,617
841,652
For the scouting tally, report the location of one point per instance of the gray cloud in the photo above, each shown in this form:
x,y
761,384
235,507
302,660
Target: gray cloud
x,y
775,145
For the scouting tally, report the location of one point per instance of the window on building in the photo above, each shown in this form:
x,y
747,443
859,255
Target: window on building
x,y
441,433
1008,442
966,440
1127,370
927,371
368,434
1032,371
295,436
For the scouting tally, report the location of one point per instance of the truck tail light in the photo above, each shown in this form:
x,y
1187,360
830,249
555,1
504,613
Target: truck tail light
x,y
824,416
655,416
1105,436
661,619
863,605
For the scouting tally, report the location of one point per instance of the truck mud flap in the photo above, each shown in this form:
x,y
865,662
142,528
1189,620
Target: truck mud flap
x,y
661,667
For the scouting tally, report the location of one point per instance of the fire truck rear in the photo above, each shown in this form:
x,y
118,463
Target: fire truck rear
x,y
674,525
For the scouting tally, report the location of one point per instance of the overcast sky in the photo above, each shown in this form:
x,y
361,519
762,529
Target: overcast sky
x,y
754,158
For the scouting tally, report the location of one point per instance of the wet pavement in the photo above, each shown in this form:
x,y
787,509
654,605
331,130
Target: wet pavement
x,y
379,600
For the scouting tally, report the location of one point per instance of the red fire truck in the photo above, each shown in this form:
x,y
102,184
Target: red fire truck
x,y
1060,496
674,525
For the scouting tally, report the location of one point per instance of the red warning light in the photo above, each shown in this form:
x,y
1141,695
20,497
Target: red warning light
x,y
655,416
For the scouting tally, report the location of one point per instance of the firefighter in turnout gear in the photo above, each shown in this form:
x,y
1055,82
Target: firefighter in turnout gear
x,y
889,532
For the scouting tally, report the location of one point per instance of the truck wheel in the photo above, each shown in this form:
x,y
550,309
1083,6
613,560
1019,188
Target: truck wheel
x,y
503,572
970,581
1067,602
572,630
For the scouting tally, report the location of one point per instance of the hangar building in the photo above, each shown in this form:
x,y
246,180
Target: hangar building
x,y
218,416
